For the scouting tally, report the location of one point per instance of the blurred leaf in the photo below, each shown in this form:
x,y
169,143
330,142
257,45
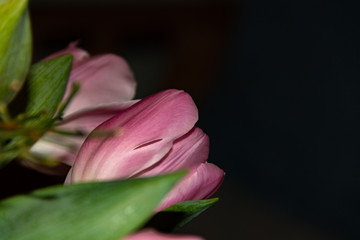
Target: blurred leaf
x,y
177,215
7,155
46,85
15,47
12,149
88,211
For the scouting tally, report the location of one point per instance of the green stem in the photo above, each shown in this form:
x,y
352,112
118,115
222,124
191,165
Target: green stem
x,y
4,114
69,133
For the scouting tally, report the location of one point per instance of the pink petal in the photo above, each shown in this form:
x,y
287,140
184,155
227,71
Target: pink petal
x,y
103,79
87,119
60,148
78,54
152,235
146,132
201,183
65,148
187,152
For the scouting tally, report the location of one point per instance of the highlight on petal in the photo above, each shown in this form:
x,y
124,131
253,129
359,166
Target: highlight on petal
x,y
200,183
152,235
148,130
65,148
103,79
61,148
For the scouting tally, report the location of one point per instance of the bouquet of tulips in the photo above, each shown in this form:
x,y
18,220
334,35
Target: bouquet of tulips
x,y
130,165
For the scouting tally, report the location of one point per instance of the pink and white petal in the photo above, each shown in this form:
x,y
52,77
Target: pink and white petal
x,y
103,79
146,132
200,183
188,151
63,149
152,235
78,54
88,119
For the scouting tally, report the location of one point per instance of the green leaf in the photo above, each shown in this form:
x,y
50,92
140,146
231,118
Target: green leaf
x,y
46,85
177,215
14,147
11,150
44,90
88,211
15,47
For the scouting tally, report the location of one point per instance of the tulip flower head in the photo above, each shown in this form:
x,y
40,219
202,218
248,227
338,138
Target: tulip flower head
x,y
154,136
106,84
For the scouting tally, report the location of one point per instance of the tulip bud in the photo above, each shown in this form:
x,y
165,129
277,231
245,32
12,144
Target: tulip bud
x,y
156,136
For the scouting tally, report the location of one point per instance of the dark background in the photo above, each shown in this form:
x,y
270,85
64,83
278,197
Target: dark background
x,y
277,85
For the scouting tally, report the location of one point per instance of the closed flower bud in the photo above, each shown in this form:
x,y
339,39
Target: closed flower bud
x,y
154,136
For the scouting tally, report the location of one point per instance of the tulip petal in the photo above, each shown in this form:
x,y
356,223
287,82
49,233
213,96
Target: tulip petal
x,y
152,235
88,119
65,148
103,79
53,146
146,132
201,183
187,152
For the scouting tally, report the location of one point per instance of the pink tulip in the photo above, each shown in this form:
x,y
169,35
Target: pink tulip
x,y
104,79
106,86
152,235
155,135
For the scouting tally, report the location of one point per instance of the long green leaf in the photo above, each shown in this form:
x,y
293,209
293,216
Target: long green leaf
x,y
46,85
177,215
89,211
15,47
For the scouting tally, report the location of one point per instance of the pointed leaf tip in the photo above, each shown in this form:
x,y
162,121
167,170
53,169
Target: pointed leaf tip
x,y
47,83
177,215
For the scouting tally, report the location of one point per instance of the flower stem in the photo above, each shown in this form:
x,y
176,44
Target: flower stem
x,y
69,133
4,114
